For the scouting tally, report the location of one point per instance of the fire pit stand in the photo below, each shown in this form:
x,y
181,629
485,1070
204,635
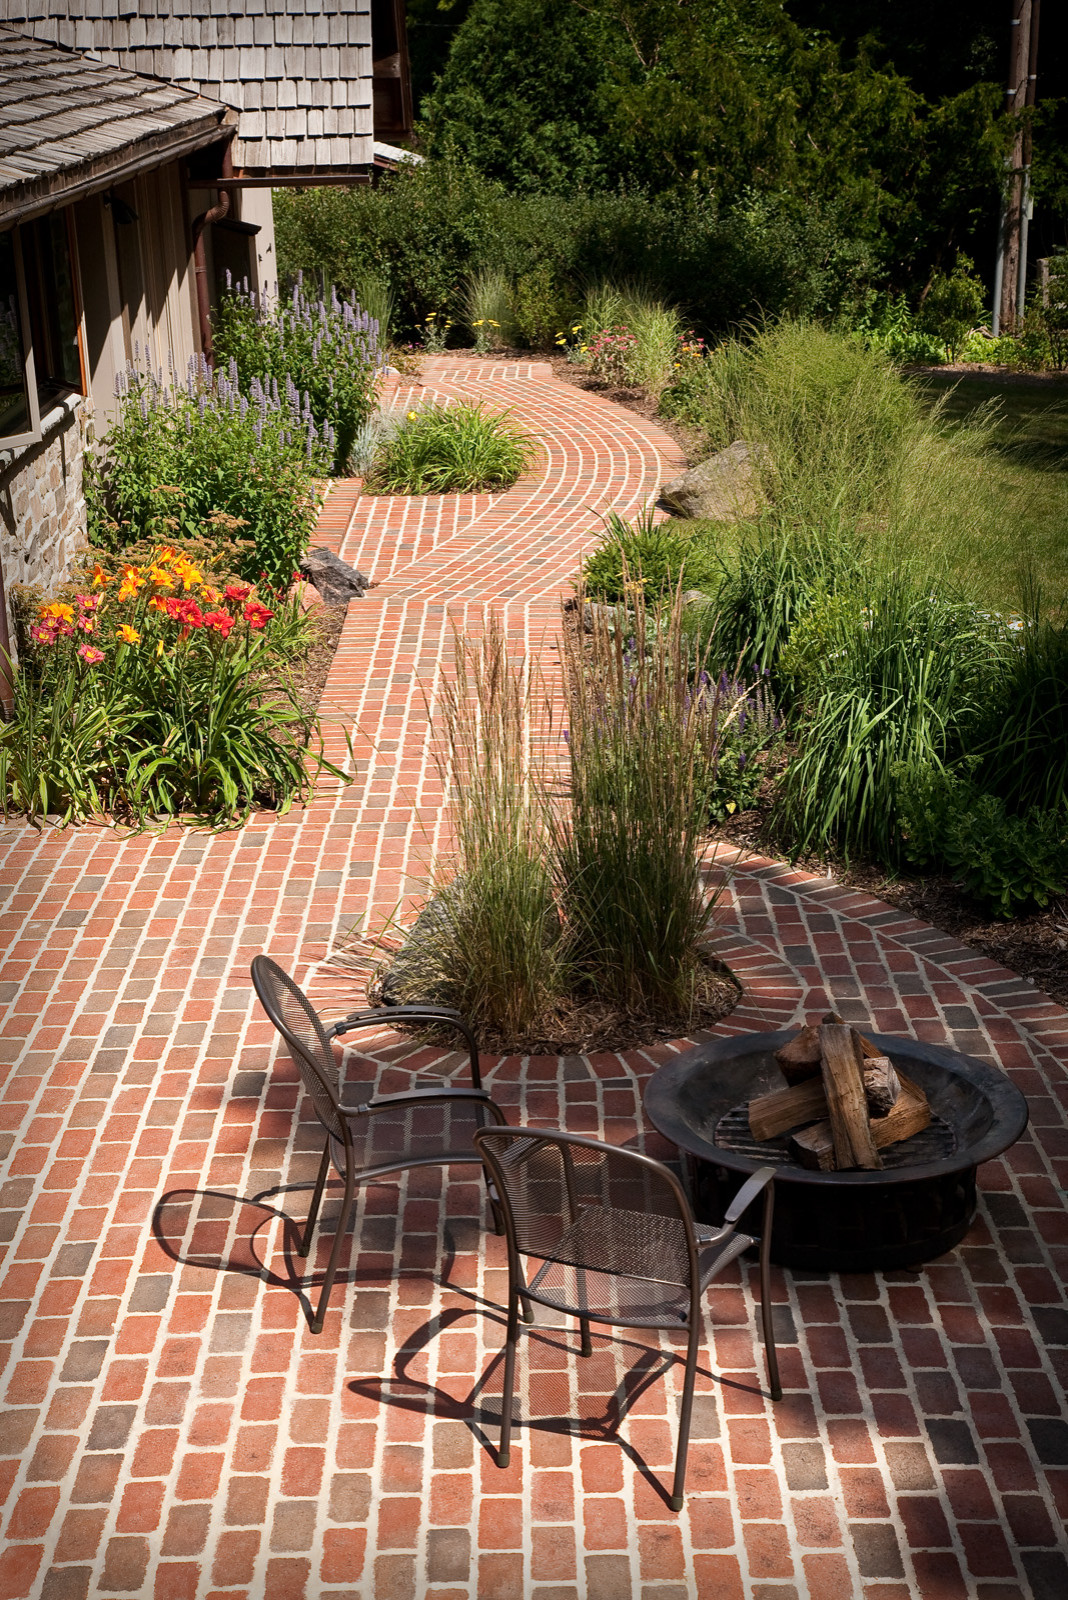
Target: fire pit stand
x,y
919,1206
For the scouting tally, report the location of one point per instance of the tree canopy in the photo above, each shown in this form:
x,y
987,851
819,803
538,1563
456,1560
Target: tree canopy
x,y
725,97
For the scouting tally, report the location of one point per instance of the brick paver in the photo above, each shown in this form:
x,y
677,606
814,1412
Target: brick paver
x,y
173,1430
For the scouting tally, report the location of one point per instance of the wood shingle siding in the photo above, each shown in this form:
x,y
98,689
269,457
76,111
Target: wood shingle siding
x,y
279,63
67,123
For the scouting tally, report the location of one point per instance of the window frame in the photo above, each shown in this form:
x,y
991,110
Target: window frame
x,y
15,441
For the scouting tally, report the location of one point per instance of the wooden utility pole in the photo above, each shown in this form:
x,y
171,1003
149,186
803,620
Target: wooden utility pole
x,y
1010,277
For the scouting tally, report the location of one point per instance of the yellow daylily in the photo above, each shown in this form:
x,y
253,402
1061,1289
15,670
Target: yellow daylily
x,y
127,634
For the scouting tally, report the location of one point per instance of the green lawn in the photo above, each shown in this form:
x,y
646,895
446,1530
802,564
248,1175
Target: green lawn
x,y
1027,467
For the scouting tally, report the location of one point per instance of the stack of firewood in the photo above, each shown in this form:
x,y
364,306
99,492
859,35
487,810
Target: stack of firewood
x,y
845,1103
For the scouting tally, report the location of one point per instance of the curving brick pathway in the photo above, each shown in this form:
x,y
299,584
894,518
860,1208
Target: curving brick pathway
x,y
172,1430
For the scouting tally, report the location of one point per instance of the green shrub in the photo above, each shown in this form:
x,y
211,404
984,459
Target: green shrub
x,y
325,351
442,449
1008,862
658,556
748,731
156,692
952,306
540,306
205,461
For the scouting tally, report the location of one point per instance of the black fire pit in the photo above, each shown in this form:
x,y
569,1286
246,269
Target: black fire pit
x,y
919,1206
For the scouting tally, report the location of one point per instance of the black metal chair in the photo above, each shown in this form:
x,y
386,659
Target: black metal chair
x,y
617,1243
384,1133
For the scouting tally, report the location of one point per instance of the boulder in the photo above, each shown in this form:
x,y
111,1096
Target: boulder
x,y
725,488
336,581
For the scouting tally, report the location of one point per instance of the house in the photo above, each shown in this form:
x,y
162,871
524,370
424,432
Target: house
x,y
137,157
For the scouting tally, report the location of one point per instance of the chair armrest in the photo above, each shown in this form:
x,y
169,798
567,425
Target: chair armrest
x,y
439,1015
387,1102
748,1193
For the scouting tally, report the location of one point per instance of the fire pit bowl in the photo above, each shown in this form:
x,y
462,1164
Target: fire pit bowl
x,y
919,1206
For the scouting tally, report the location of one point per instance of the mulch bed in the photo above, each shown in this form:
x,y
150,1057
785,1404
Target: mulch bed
x,y
308,677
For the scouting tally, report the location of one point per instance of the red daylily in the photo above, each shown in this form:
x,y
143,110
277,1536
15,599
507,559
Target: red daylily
x,y
257,615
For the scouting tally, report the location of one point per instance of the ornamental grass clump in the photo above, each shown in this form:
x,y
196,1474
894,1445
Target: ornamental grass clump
x,y
327,349
156,692
627,846
443,449
490,943
200,459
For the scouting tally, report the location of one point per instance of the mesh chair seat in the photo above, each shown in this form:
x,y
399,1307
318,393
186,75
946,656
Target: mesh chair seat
x,y
643,1298
384,1134
617,1243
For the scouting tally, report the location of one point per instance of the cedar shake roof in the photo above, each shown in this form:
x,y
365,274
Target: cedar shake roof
x,y
69,125
299,72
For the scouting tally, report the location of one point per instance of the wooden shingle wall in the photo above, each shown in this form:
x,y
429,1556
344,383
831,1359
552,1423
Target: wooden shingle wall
x,y
298,71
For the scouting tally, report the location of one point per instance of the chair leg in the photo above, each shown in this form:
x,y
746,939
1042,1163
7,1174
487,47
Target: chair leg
x,y
504,1453
335,1253
766,1316
313,1214
682,1449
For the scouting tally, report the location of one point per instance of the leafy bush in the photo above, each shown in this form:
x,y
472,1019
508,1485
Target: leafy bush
x,y
442,449
1008,862
612,356
204,461
427,229
156,692
954,303
327,350
655,556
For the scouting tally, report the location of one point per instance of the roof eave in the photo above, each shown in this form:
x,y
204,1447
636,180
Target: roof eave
x,y
20,202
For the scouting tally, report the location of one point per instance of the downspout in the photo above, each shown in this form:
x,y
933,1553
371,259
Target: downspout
x,y
7,687
214,213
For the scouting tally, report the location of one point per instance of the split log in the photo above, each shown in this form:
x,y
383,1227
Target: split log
x,y
799,1060
881,1085
813,1147
909,1114
774,1113
847,1104
871,1052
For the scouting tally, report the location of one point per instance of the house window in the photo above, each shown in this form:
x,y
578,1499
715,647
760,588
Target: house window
x,y
40,353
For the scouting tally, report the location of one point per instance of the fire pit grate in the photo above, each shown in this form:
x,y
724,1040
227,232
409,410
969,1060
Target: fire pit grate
x,y
934,1143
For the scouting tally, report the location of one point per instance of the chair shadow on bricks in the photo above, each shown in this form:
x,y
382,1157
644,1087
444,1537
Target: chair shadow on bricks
x,y
229,1233
621,1382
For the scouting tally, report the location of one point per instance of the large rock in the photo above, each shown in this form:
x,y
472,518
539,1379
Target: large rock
x,y
725,488
335,580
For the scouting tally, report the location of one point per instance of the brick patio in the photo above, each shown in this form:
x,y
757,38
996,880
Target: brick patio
x,y
174,1431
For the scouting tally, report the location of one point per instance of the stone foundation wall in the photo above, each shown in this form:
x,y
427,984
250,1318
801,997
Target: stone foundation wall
x,y
42,506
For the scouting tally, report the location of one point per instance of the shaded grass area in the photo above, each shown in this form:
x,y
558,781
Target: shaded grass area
x,y
1025,461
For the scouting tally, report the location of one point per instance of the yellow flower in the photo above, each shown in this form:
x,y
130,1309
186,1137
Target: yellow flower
x,y
493,324
479,323
127,634
159,648
191,576
100,577
411,416
58,612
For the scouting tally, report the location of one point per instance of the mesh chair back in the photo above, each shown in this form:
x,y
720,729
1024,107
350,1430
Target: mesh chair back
x,y
306,1040
590,1205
